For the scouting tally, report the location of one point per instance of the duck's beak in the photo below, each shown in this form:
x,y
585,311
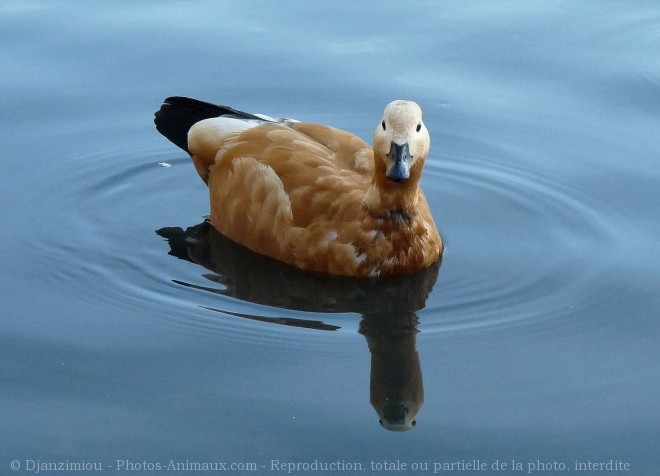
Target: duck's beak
x,y
398,163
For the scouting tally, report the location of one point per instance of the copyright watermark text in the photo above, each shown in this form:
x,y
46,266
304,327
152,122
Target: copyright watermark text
x,y
316,466
36,466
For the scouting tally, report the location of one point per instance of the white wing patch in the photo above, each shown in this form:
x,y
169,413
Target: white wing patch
x,y
285,121
210,134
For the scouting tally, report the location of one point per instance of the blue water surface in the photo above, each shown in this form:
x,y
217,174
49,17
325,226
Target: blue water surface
x,y
133,336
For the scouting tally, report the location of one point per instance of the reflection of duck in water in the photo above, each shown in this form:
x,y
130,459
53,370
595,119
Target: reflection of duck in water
x,y
396,388
310,195
388,308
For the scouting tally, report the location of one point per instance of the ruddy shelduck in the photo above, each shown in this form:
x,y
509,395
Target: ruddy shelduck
x,y
310,195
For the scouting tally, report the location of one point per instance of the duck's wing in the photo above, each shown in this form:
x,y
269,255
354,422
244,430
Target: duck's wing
x,y
284,144
348,150
276,188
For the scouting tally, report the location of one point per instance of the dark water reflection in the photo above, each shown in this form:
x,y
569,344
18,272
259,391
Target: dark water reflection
x,y
387,306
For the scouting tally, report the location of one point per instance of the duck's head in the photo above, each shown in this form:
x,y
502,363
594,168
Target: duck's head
x,y
401,141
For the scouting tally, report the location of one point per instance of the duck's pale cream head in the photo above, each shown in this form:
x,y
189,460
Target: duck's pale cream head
x,y
401,139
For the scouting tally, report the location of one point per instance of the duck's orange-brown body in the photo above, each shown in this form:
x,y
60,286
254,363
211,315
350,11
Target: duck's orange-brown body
x,y
313,196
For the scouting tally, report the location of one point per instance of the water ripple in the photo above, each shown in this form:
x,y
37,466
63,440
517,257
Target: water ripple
x,y
522,251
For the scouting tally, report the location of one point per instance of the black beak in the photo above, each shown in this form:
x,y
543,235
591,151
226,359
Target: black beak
x,y
398,167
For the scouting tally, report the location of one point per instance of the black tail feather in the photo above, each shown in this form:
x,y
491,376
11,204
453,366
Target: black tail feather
x,y
178,114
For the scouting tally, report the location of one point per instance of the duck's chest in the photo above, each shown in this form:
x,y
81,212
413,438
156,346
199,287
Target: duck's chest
x,y
400,245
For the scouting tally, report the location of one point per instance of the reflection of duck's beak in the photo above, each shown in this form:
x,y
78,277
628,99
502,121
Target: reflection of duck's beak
x,y
395,413
394,417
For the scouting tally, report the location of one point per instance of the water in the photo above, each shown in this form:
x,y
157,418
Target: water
x,y
535,342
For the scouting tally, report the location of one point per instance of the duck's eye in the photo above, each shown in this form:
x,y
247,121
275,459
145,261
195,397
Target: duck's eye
x,y
419,127
383,124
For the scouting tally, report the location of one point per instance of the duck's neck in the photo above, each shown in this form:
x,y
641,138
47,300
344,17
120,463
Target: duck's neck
x,y
388,199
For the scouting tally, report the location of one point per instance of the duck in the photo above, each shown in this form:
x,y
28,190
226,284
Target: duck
x,y
310,195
